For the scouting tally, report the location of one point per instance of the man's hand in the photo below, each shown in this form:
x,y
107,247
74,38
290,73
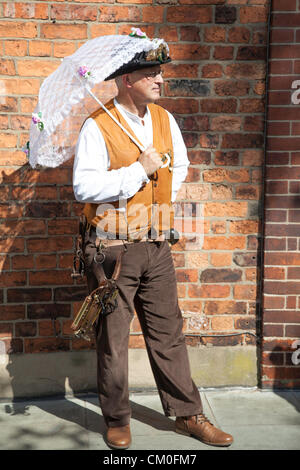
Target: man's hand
x,y
151,160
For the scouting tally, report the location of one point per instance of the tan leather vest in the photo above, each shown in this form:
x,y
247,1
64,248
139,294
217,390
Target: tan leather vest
x,y
151,206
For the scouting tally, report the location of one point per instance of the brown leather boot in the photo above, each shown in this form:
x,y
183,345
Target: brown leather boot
x,y
118,437
200,427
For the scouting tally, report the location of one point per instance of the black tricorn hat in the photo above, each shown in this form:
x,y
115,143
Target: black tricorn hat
x,y
142,60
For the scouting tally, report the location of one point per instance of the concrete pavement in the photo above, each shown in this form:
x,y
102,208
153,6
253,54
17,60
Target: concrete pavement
x,y
258,420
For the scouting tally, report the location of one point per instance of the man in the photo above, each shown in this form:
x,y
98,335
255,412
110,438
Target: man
x,y
118,181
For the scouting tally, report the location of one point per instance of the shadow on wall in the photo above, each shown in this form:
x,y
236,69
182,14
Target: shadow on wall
x,y
40,216
38,296
286,371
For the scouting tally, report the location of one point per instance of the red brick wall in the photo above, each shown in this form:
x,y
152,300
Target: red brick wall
x,y
282,203
215,86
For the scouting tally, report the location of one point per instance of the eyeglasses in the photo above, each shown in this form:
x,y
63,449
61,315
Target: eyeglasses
x,y
152,75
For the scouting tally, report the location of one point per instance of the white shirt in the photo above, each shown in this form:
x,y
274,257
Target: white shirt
x,y
92,182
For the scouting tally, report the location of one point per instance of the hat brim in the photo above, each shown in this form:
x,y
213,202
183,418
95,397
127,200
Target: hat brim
x,y
133,66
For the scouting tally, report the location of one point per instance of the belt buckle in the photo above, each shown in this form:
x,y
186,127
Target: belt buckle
x,y
129,239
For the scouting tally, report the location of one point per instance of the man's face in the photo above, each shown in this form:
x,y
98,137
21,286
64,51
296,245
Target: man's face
x,y
146,84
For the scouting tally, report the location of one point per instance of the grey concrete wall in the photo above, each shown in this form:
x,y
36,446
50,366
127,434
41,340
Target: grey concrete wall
x,y
62,373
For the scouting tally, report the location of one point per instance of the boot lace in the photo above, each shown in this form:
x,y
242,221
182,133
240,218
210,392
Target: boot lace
x,y
201,419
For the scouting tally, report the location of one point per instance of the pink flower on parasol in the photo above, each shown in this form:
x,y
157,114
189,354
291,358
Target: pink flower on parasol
x,y
36,119
84,71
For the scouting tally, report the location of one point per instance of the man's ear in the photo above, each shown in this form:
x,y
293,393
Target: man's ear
x,y
127,80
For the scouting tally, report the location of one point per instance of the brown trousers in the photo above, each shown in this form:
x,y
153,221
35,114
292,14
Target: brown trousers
x,y
147,284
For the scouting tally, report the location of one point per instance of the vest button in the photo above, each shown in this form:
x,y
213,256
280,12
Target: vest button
x,y
155,185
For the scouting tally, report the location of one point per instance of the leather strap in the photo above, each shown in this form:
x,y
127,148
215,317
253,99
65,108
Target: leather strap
x,y
78,259
99,271
117,269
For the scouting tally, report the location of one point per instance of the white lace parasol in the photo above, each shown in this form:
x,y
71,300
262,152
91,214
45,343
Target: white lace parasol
x,y
60,109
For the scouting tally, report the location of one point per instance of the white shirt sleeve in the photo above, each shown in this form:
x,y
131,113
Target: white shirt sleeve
x,y
92,182
181,161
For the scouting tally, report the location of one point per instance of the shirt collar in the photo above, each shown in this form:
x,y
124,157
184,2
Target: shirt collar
x,y
130,115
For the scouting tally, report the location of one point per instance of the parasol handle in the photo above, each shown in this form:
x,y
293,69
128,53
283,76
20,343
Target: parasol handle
x,y
166,157
115,120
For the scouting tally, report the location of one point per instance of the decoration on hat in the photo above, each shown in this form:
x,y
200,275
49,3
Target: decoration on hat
x,y
137,33
161,53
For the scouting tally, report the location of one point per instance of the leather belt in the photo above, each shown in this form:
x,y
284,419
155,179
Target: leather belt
x,y
115,242
107,243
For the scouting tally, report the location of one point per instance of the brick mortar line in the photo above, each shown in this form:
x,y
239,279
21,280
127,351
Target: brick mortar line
x,y
187,283
18,132
285,366
235,45
153,4
279,280
74,2
174,61
225,132
281,323
287,106
209,115
174,42
117,22
53,57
